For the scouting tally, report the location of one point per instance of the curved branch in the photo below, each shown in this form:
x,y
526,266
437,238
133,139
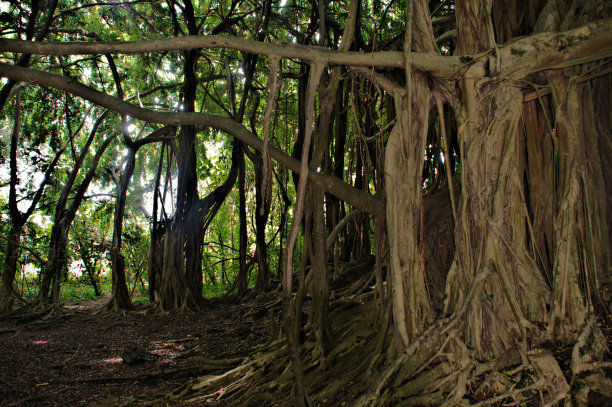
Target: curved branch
x,y
333,185
338,228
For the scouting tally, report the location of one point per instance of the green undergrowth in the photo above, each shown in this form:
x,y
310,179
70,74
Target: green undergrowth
x,y
79,289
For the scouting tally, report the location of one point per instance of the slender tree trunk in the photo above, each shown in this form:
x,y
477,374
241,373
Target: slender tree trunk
x,y
283,220
262,212
90,269
120,298
17,218
320,282
57,262
11,255
242,248
155,261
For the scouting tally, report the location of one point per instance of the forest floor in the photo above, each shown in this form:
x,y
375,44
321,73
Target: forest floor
x,y
79,356
76,355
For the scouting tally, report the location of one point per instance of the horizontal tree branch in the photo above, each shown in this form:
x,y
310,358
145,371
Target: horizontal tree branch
x,y
590,42
433,63
333,185
519,57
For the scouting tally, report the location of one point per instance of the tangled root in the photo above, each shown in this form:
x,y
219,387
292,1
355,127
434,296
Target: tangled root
x,y
366,367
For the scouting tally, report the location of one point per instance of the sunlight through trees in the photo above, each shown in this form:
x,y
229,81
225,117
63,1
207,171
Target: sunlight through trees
x,y
426,185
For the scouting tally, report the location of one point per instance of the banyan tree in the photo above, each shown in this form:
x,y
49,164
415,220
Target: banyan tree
x,y
466,146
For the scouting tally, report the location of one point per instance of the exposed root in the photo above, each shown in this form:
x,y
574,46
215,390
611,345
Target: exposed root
x,y
590,370
436,369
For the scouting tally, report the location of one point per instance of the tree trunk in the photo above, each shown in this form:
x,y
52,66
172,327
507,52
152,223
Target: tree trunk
x,y
582,249
173,292
86,255
57,262
512,294
11,255
403,168
242,245
120,298
262,212
155,260
320,282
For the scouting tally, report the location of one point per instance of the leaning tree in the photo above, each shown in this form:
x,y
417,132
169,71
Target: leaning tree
x,y
481,138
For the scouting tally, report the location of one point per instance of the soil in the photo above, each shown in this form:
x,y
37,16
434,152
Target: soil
x,y
76,355
79,356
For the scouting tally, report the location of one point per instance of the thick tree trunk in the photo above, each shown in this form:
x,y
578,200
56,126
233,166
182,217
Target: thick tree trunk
x,y
185,234
582,248
187,198
403,168
512,293
173,292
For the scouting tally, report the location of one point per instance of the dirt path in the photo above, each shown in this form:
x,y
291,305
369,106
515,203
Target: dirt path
x,y
75,356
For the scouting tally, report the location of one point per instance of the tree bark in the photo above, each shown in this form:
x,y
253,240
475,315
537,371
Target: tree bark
x,y
11,255
57,262
17,218
262,212
120,298
243,238
403,168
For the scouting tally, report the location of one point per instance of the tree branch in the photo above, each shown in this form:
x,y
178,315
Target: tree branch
x,y
529,54
333,185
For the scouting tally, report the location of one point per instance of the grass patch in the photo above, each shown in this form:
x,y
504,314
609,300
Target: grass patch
x,y
77,290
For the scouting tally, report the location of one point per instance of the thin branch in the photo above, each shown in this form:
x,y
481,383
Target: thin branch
x,y
26,248
270,103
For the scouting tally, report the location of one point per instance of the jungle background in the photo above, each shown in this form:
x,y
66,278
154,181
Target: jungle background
x,y
400,202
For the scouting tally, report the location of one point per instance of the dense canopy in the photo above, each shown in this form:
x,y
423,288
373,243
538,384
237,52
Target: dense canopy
x,y
427,183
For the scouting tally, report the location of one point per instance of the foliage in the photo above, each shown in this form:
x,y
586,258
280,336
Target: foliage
x,y
78,290
462,144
